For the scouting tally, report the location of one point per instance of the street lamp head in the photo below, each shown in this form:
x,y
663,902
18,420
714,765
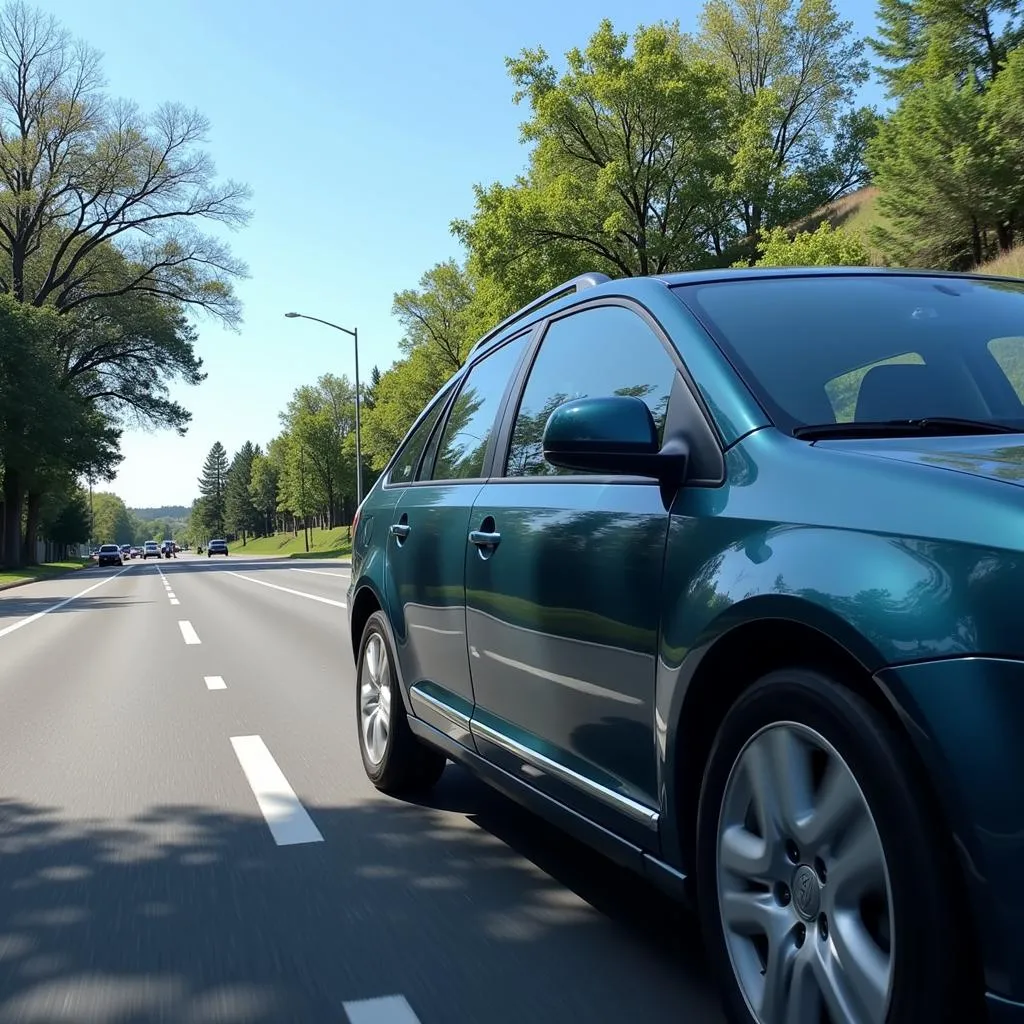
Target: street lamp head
x,y
292,315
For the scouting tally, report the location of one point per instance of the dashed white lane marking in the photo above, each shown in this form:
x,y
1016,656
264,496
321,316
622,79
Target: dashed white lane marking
x,y
174,600
288,590
386,1010
321,572
188,634
60,604
286,818
215,683
170,593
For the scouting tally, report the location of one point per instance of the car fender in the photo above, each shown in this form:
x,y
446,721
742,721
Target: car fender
x,y
881,599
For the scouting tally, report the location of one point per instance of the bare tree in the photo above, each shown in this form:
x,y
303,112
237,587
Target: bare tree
x,y
96,198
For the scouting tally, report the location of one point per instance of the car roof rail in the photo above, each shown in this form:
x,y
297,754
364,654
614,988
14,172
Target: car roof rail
x,y
577,284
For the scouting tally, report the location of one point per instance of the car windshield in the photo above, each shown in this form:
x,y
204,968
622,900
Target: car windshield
x,y
109,548
876,348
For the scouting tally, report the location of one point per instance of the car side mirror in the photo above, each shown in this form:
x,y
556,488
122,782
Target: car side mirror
x,y
615,435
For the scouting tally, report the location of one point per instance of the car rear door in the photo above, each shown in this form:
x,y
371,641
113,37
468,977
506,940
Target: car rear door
x,y
426,546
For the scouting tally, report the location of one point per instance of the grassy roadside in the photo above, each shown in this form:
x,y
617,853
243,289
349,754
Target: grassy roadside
x,y
31,573
322,544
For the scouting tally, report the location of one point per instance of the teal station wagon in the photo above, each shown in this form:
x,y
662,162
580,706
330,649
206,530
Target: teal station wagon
x,y
723,573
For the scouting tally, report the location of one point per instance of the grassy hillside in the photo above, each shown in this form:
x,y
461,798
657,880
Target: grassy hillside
x,y
858,212
322,544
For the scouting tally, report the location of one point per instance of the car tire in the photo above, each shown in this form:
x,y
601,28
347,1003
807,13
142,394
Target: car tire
x,y
395,761
824,753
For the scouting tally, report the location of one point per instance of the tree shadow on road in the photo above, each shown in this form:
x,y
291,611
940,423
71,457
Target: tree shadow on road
x,y
22,607
472,909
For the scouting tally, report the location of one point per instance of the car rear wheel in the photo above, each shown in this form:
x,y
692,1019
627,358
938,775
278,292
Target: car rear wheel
x,y
825,885
394,759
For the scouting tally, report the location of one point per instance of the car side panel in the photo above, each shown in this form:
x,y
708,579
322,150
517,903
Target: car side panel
x,y
966,716
764,547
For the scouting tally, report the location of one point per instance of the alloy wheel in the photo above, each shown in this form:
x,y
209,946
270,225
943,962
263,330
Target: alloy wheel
x,y
375,699
803,884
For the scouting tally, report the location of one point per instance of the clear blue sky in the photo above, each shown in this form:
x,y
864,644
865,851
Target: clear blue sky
x,y
361,129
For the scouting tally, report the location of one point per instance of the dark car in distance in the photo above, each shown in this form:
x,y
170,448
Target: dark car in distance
x,y
217,547
109,554
722,573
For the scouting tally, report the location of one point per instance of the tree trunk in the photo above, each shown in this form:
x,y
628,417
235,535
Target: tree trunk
x,y
13,498
30,550
1004,232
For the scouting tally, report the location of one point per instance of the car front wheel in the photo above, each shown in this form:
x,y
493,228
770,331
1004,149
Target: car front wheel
x,y
824,881
394,759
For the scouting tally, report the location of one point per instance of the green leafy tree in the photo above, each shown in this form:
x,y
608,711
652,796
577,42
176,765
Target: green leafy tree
x,y
212,486
825,247
625,168
435,315
46,430
69,525
112,523
793,67
263,490
317,420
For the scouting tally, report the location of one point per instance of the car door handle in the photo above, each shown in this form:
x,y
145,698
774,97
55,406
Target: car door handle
x,y
400,530
484,539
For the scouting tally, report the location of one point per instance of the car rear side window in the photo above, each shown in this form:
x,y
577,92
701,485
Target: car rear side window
x,y
463,445
404,469
604,350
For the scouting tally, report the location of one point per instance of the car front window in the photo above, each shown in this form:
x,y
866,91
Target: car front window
x,y
876,348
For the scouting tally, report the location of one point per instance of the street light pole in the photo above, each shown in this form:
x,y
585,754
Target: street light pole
x,y
354,335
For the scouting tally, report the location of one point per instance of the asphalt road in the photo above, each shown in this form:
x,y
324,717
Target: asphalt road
x,y
187,835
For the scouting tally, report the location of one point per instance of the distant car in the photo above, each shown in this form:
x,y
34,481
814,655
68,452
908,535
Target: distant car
x,y
217,547
110,554
126,552
150,550
167,548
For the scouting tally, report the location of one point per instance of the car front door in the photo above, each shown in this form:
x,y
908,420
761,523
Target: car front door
x,y
563,585
426,546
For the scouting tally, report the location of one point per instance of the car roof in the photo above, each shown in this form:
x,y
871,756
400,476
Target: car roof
x,y
595,285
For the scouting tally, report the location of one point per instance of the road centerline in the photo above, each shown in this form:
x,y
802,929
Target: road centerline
x,y
289,590
287,819
188,633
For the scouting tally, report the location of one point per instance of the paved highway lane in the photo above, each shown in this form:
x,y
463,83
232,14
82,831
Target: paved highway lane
x,y
186,833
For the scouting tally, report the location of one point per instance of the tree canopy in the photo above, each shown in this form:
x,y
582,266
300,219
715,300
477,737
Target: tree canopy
x,y
105,217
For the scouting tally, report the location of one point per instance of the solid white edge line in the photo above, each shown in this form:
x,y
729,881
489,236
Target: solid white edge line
x,y
287,819
288,590
215,683
188,633
321,572
385,1010
60,604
